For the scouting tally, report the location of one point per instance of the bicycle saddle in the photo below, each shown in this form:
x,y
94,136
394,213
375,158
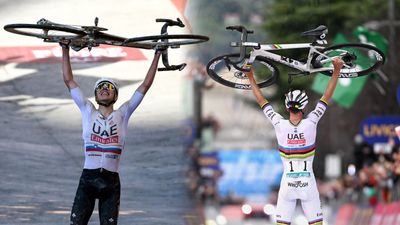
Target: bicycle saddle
x,y
317,32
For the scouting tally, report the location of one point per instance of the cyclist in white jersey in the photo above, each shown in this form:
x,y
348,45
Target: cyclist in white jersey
x,y
103,133
296,141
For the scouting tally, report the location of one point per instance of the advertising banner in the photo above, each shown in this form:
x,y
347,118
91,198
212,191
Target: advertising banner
x,y
249,172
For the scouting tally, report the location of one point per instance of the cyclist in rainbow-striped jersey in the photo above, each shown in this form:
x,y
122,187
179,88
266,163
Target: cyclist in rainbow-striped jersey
x,y
296,142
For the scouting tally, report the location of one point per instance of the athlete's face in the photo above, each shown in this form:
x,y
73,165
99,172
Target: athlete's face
x,y
105,92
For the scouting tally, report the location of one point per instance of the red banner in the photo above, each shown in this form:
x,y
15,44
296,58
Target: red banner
x,y
345,214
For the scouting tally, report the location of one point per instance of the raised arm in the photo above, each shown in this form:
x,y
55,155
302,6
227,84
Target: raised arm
x,y
146,84
337,64
66,66
256,90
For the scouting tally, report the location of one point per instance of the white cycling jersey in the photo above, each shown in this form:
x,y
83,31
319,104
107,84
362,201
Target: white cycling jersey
x,y
104,137
297,148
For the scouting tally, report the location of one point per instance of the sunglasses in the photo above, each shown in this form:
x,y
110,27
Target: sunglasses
x,y
108,86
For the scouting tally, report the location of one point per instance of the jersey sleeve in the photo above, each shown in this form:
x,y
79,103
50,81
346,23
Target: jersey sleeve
x,y
130,106
270,113
80,100
318,112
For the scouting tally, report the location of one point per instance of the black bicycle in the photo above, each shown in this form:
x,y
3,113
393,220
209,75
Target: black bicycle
x,y
93,36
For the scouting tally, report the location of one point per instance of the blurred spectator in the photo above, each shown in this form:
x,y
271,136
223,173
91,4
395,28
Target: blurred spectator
x,y
211,122
363,152
203,172
369,183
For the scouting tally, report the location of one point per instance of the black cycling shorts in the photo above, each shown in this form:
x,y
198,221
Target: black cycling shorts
x,y
97,184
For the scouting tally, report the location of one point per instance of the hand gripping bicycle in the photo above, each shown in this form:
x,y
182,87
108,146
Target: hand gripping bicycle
x,y
228,69
92,36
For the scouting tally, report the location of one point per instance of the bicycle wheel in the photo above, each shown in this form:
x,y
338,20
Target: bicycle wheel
x,y
265,73
50,33
173,41
360,59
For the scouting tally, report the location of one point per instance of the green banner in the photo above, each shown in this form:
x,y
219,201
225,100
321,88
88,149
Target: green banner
x,y
371,37
347,89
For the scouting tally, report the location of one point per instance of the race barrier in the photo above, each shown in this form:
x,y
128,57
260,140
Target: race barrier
x,y
382,214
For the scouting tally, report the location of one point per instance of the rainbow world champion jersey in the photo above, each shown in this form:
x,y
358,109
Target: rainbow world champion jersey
x,y
104,138
296,143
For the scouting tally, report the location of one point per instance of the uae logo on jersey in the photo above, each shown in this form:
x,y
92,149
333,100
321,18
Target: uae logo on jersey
x,y
296,138
104,136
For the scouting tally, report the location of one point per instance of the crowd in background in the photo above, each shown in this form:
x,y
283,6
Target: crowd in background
x,y
373,178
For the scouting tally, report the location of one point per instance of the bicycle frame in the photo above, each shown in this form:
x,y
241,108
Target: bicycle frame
x,y
91,32
266,51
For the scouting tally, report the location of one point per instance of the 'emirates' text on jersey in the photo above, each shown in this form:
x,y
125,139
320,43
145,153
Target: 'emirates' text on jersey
x,y
104,138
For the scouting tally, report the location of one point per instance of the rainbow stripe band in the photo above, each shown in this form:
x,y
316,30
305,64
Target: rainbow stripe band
x,y
302,152
275,46
323,102
98,149
281,222
264,104
316,222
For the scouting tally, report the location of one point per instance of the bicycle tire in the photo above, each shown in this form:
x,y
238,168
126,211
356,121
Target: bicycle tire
x,y
369,59
265,72
49,32
174,40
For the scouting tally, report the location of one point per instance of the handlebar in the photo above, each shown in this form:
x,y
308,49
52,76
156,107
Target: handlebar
x,y
243,49
240,28
168,67
164,56
169,22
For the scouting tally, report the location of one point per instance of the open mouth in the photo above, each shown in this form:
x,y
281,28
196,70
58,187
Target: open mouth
x,y
104,92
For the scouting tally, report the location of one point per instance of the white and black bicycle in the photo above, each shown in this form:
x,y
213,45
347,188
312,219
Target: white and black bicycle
x,y
360,59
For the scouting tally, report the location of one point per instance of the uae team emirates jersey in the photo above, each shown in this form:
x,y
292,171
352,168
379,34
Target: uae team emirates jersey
x,y
104,137
296,142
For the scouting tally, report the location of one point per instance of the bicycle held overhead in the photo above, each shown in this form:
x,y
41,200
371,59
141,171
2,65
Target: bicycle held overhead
x,y
93,36
227,69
